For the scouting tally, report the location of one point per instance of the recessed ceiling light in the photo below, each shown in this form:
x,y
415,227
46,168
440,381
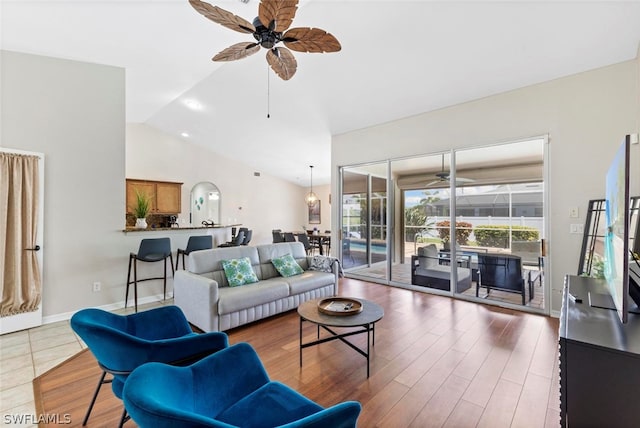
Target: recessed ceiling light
x,y
193,104
185,134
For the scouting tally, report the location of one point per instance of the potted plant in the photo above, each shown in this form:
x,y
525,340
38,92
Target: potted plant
x,y
141,209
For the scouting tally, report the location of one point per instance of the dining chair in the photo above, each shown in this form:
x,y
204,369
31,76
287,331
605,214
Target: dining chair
x,y
327,242
302,237
289,237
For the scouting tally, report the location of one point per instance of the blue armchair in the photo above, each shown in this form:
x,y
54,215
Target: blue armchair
x,y
121,343
227,389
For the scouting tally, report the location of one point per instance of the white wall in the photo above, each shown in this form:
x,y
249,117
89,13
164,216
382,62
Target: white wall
x,y
585,115
73,113
259,203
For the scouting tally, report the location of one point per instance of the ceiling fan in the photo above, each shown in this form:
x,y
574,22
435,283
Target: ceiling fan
x,y
444,176
268,29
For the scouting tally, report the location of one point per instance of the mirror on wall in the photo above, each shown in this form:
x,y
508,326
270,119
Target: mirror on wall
x,y
205,203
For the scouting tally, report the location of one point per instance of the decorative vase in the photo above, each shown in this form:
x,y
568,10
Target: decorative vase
x,y
141,223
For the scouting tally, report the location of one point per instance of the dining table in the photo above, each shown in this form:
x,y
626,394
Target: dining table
x,y
320,240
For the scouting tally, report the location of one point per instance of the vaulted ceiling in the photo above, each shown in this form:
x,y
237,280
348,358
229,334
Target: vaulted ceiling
x,y
398,58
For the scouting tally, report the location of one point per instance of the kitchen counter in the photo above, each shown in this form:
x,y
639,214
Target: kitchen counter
x,y
177,229
220,233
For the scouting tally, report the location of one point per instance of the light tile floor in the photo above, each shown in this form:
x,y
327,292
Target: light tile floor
x,y
27,354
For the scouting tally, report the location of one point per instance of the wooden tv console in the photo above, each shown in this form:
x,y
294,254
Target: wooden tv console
x,y
599,361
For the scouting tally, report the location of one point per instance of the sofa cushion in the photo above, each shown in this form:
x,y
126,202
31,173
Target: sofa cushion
x,y
428,256
309,280
232,299
443,272
286,265
268,252
205,261
239,271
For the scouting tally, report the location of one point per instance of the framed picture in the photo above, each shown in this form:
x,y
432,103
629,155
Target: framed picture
x,y
314,213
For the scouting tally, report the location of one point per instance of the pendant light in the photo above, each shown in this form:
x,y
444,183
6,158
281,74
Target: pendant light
x,y
311,197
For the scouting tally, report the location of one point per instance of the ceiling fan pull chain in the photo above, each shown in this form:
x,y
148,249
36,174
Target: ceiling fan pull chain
x,y
268,94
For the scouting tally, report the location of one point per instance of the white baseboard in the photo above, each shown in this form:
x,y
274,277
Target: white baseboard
x,y
23,321
110,307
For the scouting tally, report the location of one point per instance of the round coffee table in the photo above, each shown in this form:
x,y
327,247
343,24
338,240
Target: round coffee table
x,y
366,319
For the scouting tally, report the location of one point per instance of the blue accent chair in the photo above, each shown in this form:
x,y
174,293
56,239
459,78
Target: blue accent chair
x,y
121,343
227,389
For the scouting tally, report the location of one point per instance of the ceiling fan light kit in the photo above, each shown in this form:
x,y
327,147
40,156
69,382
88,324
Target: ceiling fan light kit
x,y
445,176
270,28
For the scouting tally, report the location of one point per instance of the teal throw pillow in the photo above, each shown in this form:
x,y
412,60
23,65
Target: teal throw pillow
x,y
239,271
287,265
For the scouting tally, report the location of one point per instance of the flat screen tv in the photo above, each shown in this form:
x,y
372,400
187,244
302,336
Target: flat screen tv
x,y
616,242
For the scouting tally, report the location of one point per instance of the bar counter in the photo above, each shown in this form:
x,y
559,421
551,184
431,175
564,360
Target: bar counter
x,y
177,229
180,235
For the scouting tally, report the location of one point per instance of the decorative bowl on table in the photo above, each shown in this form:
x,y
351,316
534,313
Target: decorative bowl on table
x,y
340,306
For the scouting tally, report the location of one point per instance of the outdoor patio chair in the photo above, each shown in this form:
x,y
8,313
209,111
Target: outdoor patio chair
x,y
501,272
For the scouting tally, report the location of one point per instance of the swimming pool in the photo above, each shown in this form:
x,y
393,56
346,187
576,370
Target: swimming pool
x,y
377,248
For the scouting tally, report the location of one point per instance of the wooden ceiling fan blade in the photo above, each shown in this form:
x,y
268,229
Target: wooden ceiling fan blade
x,y
282,62
314,40
277,15
223,17
237,51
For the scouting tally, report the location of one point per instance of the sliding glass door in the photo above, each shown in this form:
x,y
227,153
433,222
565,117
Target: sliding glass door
x,y
499,223
422,193
468,223
364,220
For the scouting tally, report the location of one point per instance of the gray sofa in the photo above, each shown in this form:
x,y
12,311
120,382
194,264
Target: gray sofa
x,y
204,295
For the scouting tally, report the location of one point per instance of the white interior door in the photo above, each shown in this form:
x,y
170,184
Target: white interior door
x,y
30,319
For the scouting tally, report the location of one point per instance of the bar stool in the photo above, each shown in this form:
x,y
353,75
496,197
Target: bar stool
x,y
151,250
277,235
204,242
247,237
237,241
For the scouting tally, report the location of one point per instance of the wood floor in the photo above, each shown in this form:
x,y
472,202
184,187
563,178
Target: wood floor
x,y
436,362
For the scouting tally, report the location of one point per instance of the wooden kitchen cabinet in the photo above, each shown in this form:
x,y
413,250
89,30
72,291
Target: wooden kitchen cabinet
x,y
166,196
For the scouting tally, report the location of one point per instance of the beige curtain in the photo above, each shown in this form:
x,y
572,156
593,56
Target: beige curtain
x,y
19,272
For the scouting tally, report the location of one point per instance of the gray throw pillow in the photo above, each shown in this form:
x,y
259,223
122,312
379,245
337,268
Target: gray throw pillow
x,y
322,263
